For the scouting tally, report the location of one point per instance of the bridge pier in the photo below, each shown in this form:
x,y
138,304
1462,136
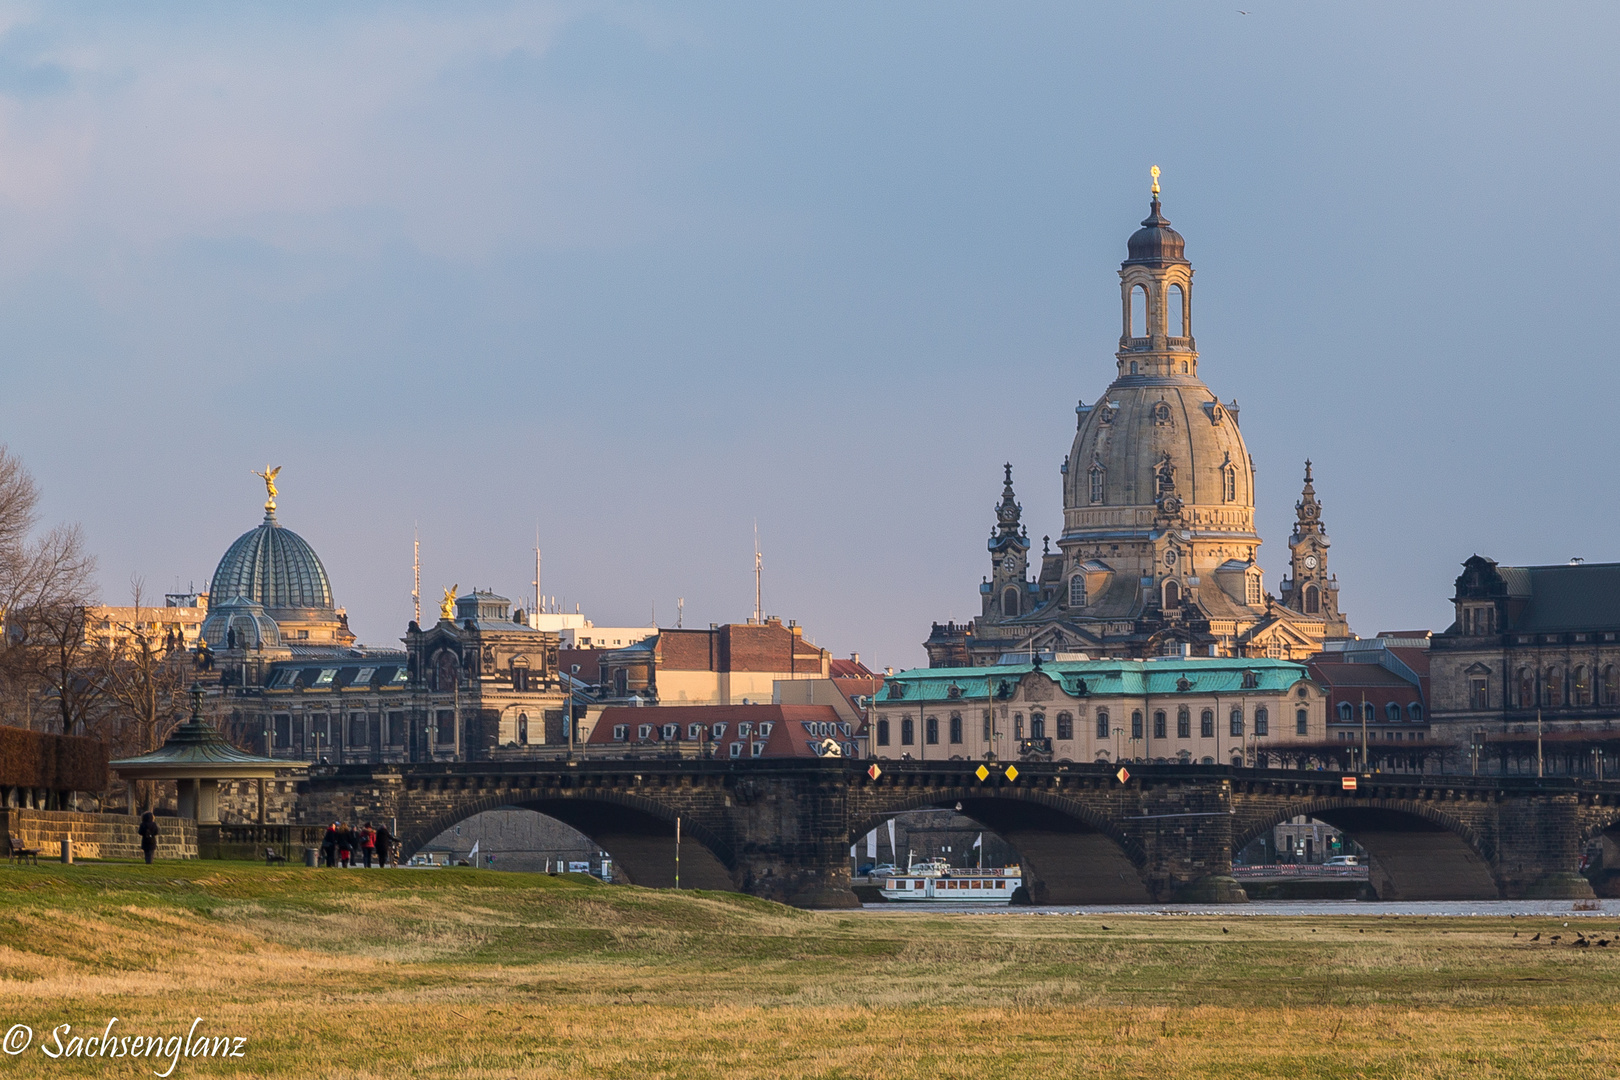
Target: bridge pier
x,y
1539,848
1186,833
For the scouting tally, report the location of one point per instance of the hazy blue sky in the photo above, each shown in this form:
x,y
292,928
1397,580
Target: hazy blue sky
x,y
643,274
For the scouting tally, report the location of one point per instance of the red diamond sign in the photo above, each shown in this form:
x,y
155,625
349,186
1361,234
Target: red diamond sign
x,y
874,772
1123,774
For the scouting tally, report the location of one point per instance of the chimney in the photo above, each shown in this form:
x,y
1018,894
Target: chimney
x,y
855,657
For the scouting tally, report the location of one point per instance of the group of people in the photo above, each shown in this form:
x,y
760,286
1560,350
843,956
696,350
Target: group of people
x,y
347,846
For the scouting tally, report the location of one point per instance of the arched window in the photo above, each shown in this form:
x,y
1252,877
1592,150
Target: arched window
x,y
1096,483
523,728
1137,313
1009,601
1527,688
1103,730
883,732
1236,723
1206,723
1158,723
931,730
1136,723
1077,591
1554,687
1347,712
1302,722
1133,367
1229,484
1065,725
1183,723
1262,721
1313,600
908,731
1580,686
1611,686
956,728
1172,594
1037,726
1175,313
1392,711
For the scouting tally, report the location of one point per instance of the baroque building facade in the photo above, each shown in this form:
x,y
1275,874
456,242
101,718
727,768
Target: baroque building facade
x,y
1158,553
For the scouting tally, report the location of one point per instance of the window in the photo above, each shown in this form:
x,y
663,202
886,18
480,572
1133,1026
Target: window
x,y
1037,726
1009,602
1229,484
620,732
765,729
1313,600
1065,725
931,730
1262,721
987,725
1096,484
671,732
717,731
1077,591
737,748
1133,367
1136,723
1236,724
1158,723
1527,688
1018,725
1103,731
283,724
325,677
1172,594
1137,312
1611,686
1414,711
1175,313
1253,593
1580,686
1480,693
744,729
1347,712
523,728
694,732
956,728
1302,723
908,731
396,729
1554,688
759,749
446,724
644,732
362,678
1206,723
1183,723
1367,711
1392,712
883,733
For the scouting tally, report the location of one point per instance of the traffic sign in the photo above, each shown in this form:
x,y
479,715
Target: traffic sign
x,y
982,773
1012,772
1348,783
1123,774
874,772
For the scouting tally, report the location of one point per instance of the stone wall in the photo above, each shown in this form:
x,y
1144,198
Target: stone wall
x,y
97,836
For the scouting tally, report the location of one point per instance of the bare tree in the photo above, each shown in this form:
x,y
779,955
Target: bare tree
x,y
144,680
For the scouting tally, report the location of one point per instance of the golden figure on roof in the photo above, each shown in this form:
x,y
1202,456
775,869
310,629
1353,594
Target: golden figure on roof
x,y
1155,172
447,606
269,478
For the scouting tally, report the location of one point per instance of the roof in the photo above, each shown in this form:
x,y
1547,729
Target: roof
x,y
1582,597
1334,673
848,669
273,566
1103,677
197,750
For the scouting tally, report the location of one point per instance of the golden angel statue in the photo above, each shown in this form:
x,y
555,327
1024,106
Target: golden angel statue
x,y
269,477
447,606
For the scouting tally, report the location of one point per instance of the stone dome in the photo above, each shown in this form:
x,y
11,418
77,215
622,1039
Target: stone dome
x,y
240,623
1155,243
274,567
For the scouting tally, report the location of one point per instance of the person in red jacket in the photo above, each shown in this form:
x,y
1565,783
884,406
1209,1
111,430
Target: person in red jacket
x,y
368,844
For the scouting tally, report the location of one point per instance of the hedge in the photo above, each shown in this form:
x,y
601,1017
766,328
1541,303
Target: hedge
x,y
33,759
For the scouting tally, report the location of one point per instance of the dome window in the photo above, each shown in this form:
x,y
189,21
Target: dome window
x,y
1097,477
1077,591
1175,313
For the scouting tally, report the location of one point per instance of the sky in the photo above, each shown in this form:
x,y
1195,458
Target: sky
x,y
640,276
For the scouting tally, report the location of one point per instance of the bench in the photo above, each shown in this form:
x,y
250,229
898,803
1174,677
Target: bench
x,y
19,852
272,856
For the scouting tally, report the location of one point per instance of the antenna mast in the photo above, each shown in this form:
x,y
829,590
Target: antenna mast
x,y
536,581
759,617
416,576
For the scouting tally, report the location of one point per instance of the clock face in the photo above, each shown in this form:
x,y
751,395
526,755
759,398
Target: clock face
x,y
1310,562
1009,564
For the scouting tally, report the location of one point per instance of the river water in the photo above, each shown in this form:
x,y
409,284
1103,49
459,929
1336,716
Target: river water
x,y
1500,909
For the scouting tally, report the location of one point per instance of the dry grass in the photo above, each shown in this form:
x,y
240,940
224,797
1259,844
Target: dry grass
x,y
468,974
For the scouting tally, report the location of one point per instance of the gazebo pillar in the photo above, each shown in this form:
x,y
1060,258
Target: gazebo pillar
x,y
187,789
207,802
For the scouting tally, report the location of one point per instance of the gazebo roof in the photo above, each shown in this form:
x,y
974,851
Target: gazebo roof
x,y
197,751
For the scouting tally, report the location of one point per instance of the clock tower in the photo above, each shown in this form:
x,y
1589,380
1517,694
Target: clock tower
x,y
1006,592
1311,590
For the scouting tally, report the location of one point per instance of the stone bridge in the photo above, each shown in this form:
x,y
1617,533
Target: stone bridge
x,y
783,829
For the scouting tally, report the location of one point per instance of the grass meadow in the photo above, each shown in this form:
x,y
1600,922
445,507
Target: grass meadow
x,y
466,973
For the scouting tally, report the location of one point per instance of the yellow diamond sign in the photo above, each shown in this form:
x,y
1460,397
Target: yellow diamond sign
x,y
1012,772
874,772
1123,774
982,773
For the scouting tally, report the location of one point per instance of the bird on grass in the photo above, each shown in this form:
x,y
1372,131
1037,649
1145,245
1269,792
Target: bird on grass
x,y
1224,930
1107,928
1537,937
1580,944
1555,937
1515,933
1603,943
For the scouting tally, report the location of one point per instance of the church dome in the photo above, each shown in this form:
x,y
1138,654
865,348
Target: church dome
x,y
240,623
1155,243
274,567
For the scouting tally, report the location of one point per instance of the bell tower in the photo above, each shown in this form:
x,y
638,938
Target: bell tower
x,y
1155,284
1005,592
1310,589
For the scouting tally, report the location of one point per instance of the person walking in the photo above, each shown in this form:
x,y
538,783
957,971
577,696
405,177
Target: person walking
x,y
149,834
345,843
368,844
385,843
329,845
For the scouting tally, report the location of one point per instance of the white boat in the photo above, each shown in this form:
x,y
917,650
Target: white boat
x,y
934,881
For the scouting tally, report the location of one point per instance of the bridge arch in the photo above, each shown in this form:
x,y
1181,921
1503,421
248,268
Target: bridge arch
x,y
639,833
1417,852
1070,854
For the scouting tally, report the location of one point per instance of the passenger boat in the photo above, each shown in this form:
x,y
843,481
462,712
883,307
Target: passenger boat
x,y
934,881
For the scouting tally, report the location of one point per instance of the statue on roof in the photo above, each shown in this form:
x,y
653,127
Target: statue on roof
x,y
269,478
447,606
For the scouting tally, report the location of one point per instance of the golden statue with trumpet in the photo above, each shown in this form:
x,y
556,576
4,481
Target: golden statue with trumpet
x,y
269,478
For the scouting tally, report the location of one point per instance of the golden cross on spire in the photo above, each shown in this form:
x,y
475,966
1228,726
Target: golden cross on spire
x,y
1155,172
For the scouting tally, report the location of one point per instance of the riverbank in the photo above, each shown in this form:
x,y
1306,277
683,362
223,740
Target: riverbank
x,y
469,973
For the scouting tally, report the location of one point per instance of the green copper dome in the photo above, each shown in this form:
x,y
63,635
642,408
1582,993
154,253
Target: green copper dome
x,y
272,566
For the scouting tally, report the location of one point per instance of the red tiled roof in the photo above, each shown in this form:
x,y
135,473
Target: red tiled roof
x,y
848,669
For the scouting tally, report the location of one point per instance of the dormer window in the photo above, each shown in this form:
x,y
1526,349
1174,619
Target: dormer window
x,y
1077,591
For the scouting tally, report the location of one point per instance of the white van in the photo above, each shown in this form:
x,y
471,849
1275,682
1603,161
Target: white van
x,y
1344,860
